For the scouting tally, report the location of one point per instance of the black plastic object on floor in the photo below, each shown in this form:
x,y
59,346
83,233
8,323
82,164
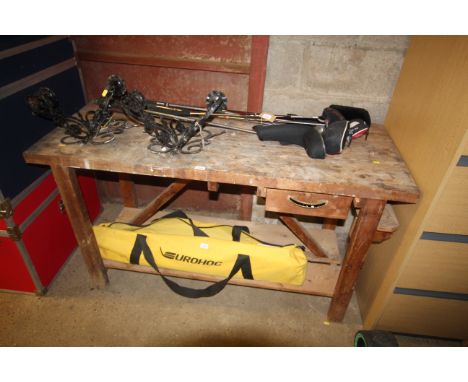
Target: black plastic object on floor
x,y
374,338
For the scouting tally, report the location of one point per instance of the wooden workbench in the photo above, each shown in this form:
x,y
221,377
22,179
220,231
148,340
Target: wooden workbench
x,y
365,176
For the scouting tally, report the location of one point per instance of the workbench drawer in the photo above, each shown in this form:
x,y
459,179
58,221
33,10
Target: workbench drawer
x,y
308,203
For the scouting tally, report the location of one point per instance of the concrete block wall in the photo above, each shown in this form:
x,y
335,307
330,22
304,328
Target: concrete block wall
x,y
305,74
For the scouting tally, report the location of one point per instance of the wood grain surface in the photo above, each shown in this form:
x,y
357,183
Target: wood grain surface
x,y
370,168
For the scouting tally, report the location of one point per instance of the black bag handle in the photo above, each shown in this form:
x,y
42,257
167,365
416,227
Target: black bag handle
x,y
242,263
182,215
237,231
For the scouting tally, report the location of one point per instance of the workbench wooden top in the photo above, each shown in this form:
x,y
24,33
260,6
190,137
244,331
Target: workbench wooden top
x,y
371,168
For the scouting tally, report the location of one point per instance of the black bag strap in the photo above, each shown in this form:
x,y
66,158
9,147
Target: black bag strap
x,y
175,214
237,230
242,263
182,215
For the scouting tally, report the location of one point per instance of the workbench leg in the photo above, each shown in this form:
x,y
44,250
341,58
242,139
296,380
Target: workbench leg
x,y
329,223
361,238
246,203
127,191
72,198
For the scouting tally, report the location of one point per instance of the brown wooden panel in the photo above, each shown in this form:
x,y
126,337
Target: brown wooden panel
x,y
213,186
437,265
450,214
167,84
180,69
232,50
127,190
426,316
420,107
257,73
283,201
194,198
178,63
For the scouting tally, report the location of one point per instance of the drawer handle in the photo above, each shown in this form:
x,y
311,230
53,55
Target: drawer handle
x,y
311,205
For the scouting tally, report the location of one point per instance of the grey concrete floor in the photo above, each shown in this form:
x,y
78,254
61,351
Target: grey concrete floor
x,y
139,310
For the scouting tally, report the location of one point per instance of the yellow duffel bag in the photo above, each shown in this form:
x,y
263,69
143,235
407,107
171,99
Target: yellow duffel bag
x,y
177,242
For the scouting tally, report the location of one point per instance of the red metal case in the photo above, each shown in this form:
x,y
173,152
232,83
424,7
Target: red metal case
x,y
31,263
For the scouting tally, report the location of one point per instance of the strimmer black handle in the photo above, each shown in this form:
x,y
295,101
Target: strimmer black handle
x,y
314,144
302,135
286,133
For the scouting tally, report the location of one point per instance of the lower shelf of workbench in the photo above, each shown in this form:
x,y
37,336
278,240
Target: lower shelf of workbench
x,y
321,274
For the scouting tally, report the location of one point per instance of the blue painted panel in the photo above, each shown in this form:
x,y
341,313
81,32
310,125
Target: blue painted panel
x,y
20,129
24,64
450,237
463,161
431,293
7,42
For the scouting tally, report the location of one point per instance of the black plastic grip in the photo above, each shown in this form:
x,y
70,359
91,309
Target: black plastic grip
x,y
334,137
302,135
287,133
314,145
